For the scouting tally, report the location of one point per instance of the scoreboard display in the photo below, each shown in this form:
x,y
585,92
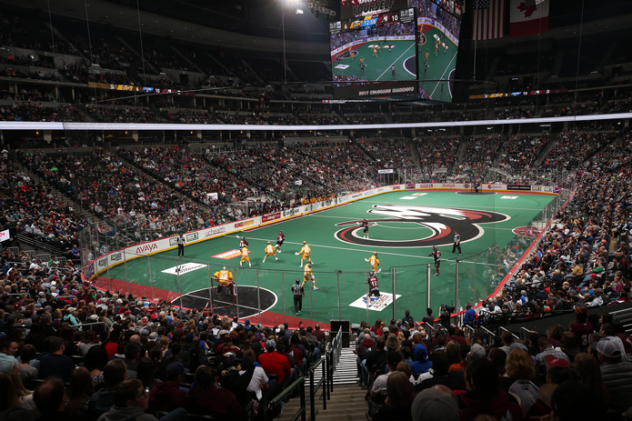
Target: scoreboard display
x,y
374,55
403,54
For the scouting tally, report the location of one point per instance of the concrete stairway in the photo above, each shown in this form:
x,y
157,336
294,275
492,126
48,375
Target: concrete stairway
x,y
347,401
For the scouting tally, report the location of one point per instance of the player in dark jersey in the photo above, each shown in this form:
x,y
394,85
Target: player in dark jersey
x,y
280,240
436,253
365,228
373,288
242,243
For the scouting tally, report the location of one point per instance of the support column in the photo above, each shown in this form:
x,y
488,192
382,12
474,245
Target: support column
x,y
48,137
135,135
199,134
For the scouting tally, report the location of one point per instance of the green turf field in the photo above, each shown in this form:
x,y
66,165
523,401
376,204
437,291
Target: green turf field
x,y
443,65
331,253
379,68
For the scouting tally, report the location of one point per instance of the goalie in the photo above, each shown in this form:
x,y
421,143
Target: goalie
x,y
365,228
224,278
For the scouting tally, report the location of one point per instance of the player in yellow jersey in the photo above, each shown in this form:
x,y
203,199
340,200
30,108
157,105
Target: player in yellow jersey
x,y
309,276
244,256
361,61
436,49
304,253
426,58
379,48
270,251
224,278
351,53
374,262
374,52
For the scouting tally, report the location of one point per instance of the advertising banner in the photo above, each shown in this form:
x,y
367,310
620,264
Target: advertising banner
x,y
518,187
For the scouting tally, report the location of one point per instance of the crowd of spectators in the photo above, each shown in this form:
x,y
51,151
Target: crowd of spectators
x,y
389,153
123,114
191,174
27,111
480,152
522,151
437,152
572,149
109,189
513,113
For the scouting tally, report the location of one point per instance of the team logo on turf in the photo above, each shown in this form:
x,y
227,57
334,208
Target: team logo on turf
x,y
443,222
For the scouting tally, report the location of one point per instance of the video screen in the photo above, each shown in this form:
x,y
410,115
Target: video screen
x,y
375,48
437,45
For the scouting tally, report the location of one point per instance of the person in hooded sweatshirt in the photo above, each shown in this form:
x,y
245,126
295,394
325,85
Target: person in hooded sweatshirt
x,y
420,362
167,396
484,395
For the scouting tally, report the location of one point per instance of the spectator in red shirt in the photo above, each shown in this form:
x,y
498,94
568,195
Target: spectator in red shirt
x,y
273,362
112,346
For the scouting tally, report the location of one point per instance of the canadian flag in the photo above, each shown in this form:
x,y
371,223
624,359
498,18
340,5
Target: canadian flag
x,y
528,17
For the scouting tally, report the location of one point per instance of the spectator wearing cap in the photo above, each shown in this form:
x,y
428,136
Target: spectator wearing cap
x,y
484,396
274,363
167,396
616,373
55,363
434,404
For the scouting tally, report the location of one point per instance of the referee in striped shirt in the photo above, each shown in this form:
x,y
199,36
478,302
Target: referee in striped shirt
x,y
180,242
457,242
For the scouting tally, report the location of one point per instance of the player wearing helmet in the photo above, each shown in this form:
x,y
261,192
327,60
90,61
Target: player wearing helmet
x,y
374,262
373,288
308,275
280,240
270,251
436,253
244,256
224,279
304,253
365,228
242,243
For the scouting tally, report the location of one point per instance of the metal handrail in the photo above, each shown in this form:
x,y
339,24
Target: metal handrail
x,y
513,334
524,333
300,383
313,389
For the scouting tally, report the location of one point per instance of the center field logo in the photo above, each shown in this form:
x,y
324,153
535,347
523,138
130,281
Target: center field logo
x,y
443,222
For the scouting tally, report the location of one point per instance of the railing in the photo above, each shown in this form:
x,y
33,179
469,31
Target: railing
x,y
298,383
313,389
524,333
512,334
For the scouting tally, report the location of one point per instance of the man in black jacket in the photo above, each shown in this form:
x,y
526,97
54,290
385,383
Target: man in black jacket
x,y
375,360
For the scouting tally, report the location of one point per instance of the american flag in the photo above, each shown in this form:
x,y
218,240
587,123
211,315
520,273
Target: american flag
x,y
488,19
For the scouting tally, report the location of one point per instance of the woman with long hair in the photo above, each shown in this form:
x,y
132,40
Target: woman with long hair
x,y
79,391
520,368
399,399
13,393
589,373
